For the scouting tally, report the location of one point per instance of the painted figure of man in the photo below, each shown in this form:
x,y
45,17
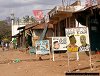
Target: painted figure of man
x,y
56,45
84,46
72,47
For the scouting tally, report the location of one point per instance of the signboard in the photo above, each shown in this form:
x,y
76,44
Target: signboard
x,y
77,39
38,14
98,2
59,43
42,47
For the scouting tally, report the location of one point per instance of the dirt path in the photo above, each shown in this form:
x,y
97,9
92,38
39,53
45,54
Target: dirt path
x,y
29,65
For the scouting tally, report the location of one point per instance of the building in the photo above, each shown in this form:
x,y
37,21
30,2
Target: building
x,y
37,31
62,17
90,17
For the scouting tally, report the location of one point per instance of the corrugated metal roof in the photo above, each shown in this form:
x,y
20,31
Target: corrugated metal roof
x,y
28,26
42,26
38,26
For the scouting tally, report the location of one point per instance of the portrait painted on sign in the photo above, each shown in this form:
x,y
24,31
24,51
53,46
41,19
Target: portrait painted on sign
x,y
84,45
56,45
72,47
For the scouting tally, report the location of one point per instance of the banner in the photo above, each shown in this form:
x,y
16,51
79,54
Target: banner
x,y
98,1
38,14
89,3
42,47
47,18
59,43
77,39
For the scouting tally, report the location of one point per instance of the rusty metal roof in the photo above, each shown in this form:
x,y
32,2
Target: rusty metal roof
x,y
28,26
38,26
42,26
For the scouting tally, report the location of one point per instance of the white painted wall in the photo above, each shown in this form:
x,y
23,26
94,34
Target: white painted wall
x,y
77,8
15,27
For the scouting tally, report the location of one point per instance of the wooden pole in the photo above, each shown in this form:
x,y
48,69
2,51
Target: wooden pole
x,y
68,62
62,2
90,60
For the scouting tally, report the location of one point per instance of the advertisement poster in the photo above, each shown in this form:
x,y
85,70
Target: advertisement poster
x,y
77,39
59,43
42,47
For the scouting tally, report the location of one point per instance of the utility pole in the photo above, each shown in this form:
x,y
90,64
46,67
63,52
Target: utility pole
x,y
62,2
12,23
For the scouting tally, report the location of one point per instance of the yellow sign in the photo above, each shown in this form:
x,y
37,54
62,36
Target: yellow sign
x,y
72,48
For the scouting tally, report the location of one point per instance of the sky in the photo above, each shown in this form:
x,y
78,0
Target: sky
x,y
22,8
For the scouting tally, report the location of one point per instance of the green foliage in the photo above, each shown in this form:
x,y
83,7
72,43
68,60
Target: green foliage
x,y
5,30
29,18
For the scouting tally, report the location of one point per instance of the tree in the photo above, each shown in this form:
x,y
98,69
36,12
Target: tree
x,y
5,31
28,19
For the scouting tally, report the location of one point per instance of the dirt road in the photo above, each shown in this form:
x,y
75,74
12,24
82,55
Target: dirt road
x,y
29,65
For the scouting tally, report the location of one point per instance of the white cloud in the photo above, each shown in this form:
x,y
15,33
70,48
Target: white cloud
x,y
25,7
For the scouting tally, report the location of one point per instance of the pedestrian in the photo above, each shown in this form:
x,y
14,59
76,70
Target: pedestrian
x,y
2,44
7,45
28,39
15,43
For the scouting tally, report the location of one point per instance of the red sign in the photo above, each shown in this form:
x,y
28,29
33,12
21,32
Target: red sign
x,y
98,1
38,14
89,3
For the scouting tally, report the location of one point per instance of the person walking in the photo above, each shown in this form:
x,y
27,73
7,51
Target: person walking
x,y
2,44
28,40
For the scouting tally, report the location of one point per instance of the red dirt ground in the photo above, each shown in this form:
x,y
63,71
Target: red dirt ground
x,y
29,65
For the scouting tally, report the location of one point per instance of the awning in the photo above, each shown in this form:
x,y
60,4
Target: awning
x,y
42,26
38,26
28,26
19,28
91,12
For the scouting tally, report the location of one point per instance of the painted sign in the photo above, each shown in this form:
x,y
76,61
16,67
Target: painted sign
x,y
77,39
42,47
59,43
38,14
